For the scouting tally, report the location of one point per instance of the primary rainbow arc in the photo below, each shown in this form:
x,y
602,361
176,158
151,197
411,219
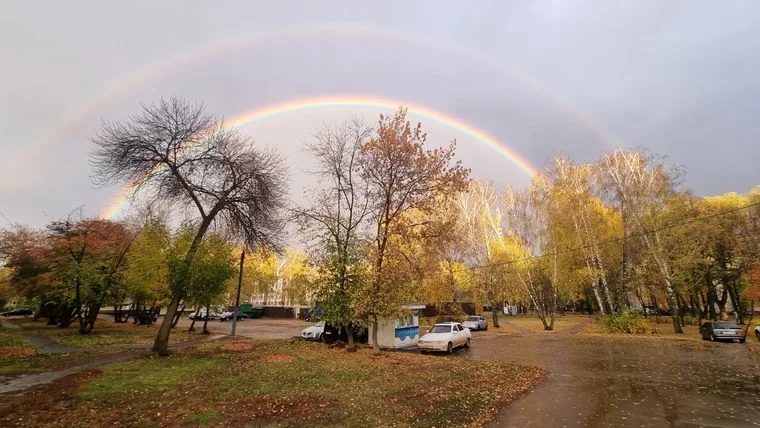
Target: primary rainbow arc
x,y
117,204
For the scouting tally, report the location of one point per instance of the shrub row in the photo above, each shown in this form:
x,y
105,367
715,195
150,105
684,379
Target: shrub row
x,y
625,323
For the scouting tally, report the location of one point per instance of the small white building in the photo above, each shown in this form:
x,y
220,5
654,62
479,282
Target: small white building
x,y
400,332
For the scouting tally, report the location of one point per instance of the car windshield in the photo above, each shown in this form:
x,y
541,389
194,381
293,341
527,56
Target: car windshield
x,y
440,329
473,319
320,324
726,325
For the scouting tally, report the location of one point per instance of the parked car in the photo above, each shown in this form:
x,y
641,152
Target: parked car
x,y
333,333
475,323
723,330
18,312
314,332
212,315
227,316
148,314
444,337
757,331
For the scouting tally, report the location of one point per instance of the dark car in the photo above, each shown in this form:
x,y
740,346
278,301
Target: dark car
x,y
18,312
334,333
723,330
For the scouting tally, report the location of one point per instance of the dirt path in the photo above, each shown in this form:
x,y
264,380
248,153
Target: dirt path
x,y
628,381
29,380
43,344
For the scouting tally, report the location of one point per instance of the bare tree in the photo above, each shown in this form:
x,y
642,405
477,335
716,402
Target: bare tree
x,y
183,157
336,216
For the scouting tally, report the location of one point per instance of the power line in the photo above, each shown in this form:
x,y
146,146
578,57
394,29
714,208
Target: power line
x,y
6,219
613,240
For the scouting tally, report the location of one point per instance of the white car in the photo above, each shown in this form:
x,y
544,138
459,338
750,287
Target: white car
x,y
314,332
476,323
757,331
444,337
200,316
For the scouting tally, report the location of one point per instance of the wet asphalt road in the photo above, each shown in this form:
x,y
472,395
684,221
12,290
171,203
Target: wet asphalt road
x,y
628,382
266,328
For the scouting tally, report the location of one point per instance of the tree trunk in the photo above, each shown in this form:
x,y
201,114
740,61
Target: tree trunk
x,y
712,297
693,307
192,324
350,334
547,326
94,311
78,304
134,310
722,304
117,314
551,323
681,311
599,300
375,344
84,316
736,302
67,315
161,344
495,315
674,308
178,315
205,320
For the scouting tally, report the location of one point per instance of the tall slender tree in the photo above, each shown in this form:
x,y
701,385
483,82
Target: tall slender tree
x,y
402,175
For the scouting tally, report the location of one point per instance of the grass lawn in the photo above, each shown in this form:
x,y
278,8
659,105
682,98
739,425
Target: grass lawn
x,y
17,356
276,383
105,333
660,327
532,323
13,351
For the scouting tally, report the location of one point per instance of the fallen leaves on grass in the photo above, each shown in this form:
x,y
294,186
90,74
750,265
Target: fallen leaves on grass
x,y
318,386
16,352
279,358
237,346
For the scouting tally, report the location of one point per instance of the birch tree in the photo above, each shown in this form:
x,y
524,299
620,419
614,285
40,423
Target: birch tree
x,y
565,192
524,223
642,183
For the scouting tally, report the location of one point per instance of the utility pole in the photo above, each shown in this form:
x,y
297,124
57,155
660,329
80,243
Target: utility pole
x,y
237,298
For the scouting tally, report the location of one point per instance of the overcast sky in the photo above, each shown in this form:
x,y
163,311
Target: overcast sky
x,y
542,77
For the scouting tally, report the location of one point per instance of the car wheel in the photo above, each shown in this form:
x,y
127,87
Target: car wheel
x,y
467,344
742,340
321,337
449,348
757,333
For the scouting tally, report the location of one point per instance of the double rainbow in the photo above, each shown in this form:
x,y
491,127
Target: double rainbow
x,y
117,204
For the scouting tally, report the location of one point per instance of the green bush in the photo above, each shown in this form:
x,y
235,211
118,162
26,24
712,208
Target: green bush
x,y
625,323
